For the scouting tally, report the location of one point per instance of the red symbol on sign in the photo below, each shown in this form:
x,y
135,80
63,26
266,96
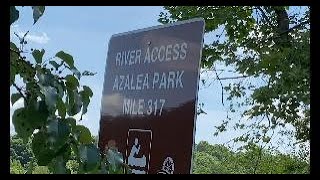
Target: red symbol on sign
x,y
138,150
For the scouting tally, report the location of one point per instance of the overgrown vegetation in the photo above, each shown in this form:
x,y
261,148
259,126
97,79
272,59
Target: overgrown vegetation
x,y
267,50
261,43
52,96
219,159
208,159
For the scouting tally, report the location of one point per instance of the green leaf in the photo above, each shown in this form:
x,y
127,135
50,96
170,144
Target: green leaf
x,y
85,97
84,135
76,72
67,58
38,115
72,123
70,102
41,149
60,88
75,103
85,102
70,98
14,47
59,166
89,157
51,96
66,152
14,14
58,131
38,55
44,79
30,167
21,124
14,57
13,72
71,82
15,97
115,160
87,91
55,64
37,12
61,108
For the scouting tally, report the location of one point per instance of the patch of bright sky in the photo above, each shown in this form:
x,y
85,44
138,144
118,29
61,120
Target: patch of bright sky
x,y
84,32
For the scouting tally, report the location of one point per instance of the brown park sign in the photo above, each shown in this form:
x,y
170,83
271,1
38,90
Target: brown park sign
x,y
150,96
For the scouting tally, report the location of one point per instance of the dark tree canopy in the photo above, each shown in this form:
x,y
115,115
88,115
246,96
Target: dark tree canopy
x,y
265,43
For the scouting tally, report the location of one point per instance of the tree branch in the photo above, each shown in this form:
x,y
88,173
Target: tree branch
x,y
264,15
236,77
295,27
220,84
20,92
278,35
289,30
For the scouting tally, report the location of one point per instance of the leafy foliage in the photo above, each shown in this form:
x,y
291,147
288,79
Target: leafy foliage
x,y
269,50
16,167
40,170
20,151
37,12
218,159
52,95
14,14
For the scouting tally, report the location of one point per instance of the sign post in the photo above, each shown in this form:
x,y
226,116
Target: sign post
x,y
150,96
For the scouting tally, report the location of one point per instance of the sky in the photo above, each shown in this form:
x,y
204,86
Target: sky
x,y
84,33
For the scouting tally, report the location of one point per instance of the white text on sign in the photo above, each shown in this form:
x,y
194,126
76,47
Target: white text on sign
x,y
143,107
152,54
167,80
164,80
